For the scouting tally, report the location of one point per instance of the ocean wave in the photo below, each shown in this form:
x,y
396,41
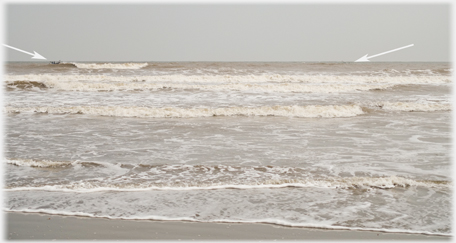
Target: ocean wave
x,y
37,163
316,79
367,183
108,65
27,84
203,177
324,111
129,86
53,164
415,106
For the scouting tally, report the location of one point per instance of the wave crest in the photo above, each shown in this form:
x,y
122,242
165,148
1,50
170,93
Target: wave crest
x,y
136,86
327,111
137,177
264,78
37,163
414,106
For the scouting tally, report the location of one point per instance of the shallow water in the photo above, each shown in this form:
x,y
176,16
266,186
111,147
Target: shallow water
x,y
328,145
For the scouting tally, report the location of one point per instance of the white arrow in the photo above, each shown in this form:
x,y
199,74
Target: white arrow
x,y
34,54
365,58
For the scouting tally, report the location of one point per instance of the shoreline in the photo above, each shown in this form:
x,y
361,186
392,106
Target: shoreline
x,y
39,226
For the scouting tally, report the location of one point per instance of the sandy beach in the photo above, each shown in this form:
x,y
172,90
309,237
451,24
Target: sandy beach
x,y
33,226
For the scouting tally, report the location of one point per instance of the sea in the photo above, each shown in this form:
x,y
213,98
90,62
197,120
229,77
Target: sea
x,y
327,145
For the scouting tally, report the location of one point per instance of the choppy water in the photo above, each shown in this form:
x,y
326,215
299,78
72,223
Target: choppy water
x,y
330,145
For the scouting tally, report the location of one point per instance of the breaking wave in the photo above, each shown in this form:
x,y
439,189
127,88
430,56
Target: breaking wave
x,y
308,111
204,177
37,163
316,79
129,86
175,112
413,106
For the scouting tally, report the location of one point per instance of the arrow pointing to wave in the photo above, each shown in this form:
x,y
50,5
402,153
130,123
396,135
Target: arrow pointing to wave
x,y
34,54
365,58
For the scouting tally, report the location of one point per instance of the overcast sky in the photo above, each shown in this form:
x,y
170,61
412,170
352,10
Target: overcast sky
x,y
204,32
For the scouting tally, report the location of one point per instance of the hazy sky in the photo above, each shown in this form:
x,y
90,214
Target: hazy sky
x,y
204,32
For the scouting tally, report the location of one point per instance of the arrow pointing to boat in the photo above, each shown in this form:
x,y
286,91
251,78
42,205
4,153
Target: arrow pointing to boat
x,y
365,58
34,54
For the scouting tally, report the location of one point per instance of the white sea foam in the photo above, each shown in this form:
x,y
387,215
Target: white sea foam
x,y
198,177
414,106
292,172
316,79
36,163
55,164
109,65
280,87
336,183
327,111
228,221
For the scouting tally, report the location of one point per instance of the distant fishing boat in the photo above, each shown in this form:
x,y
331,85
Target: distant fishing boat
x,y
54,62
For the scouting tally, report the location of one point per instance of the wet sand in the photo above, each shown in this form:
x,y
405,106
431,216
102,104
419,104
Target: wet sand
x,y
34,226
